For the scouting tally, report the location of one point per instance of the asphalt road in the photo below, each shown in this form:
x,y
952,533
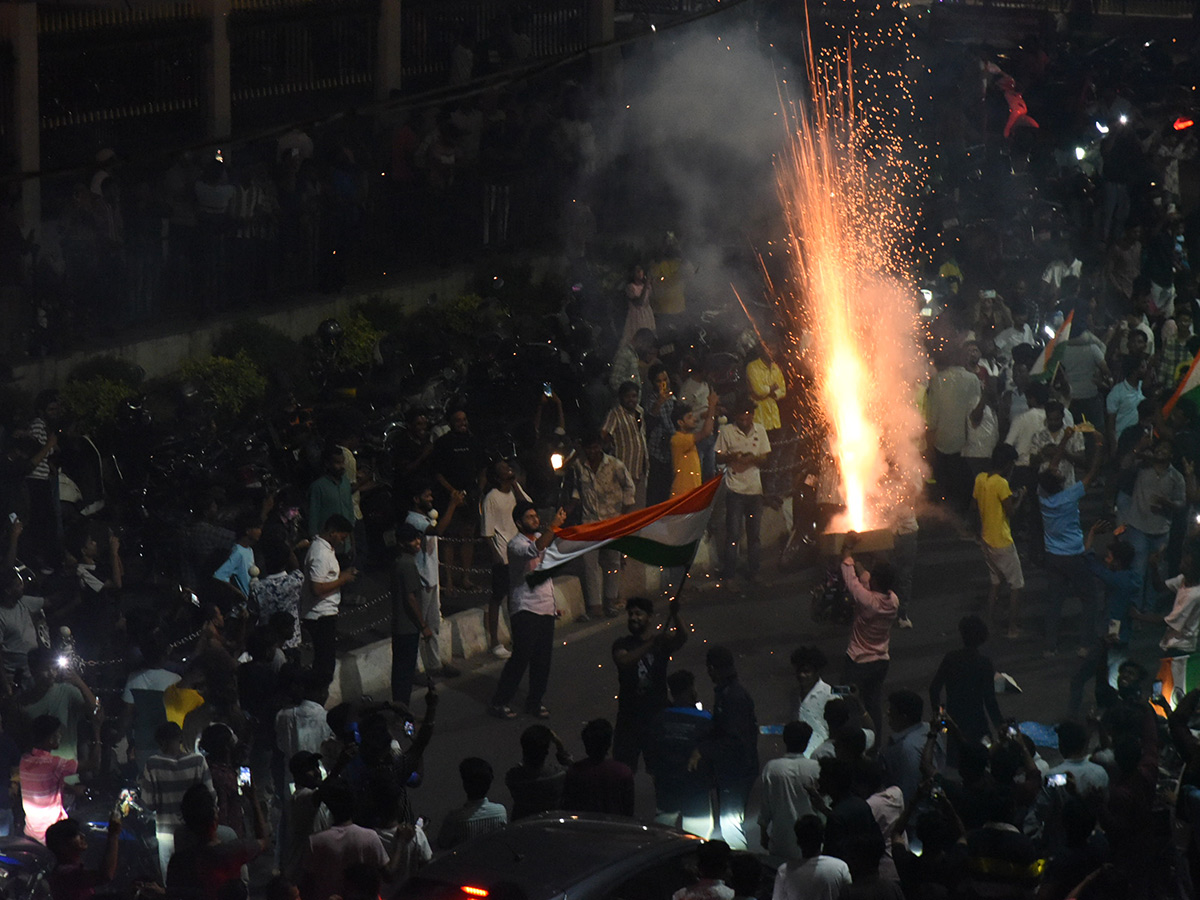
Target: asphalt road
x,y
761,626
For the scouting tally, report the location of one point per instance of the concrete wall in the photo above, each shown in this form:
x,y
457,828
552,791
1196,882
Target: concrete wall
x,y
162,354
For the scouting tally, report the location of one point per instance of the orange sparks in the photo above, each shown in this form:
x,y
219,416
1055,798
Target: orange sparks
x,y
842,183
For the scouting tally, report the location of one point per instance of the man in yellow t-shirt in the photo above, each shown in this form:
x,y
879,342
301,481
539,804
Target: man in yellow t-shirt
x,y
685,459
996,501
764,378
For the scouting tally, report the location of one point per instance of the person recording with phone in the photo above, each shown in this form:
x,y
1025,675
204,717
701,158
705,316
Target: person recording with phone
x,y
1087,779
58,690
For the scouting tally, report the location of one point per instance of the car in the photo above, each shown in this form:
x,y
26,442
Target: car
x,y
555,856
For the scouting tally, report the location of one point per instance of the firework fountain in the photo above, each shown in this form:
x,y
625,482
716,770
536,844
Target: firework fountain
x,y
843,180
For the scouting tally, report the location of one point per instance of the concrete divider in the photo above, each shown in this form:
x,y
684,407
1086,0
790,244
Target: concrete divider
x,y
368,669
468,631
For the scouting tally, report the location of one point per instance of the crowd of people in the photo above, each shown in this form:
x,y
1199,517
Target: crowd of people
x,y
224,731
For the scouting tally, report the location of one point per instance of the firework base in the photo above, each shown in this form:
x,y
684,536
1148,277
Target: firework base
x,y
830,544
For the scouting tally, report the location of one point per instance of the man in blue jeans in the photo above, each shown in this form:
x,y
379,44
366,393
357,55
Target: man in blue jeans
x,y
1066,565
531,613
1158,491
743,447
409,627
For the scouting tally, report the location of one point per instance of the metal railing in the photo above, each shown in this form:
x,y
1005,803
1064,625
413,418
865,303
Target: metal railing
x,y
282,48
535,30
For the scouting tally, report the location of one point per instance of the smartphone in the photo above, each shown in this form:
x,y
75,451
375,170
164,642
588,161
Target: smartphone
x,y
547,389
1114,628
770,729
420,822
840,689
409,727
244,776
12,517
1013,731
1059,779
357,734
1156,689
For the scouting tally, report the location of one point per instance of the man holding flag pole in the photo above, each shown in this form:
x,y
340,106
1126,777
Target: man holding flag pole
x,y
531,615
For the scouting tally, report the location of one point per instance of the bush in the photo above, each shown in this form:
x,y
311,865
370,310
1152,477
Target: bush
x,y
108,368
94,401
272,352
359,341
228,385
382,314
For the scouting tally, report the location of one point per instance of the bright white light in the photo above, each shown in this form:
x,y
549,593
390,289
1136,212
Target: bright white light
x,y
1123,119
1080,153
556,461
1102,128
64,661
1049,331
652,28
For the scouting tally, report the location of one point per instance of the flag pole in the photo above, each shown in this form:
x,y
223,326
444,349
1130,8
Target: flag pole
x,y
673,604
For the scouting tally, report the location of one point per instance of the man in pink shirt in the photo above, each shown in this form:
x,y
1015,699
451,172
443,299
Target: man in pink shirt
x,y
875,611
43,775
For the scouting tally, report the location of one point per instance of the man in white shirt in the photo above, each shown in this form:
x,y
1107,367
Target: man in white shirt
x,y
1183,621
532,613
303,725
785,785
423,517
1044,819
742,447
1044,444
953,393
322,595
815,877
497,528
808,663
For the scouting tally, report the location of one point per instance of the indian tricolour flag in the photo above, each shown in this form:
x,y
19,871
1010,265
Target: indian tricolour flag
x,y
1179,675
665,534
1189,387
1044,365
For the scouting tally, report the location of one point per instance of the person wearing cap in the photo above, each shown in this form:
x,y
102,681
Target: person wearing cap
x,y
409,627
532,614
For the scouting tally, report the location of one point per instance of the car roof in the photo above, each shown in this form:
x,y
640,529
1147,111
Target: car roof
x,y
547,854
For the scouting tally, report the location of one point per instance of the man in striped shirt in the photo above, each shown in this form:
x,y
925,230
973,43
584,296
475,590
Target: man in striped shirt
x,y
478,815
43,774
166,778
43,526
624,426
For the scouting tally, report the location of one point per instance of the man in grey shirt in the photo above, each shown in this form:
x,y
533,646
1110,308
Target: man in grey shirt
x,y
1158,491
18,632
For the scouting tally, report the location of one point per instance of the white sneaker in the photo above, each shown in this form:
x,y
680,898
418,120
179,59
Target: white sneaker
x,y
501,652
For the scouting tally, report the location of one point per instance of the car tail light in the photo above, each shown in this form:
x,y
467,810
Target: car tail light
x,y
474,891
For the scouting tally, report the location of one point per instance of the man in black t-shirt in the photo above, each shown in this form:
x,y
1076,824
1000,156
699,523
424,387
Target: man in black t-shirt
x,y
642,659
458,463
408,625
